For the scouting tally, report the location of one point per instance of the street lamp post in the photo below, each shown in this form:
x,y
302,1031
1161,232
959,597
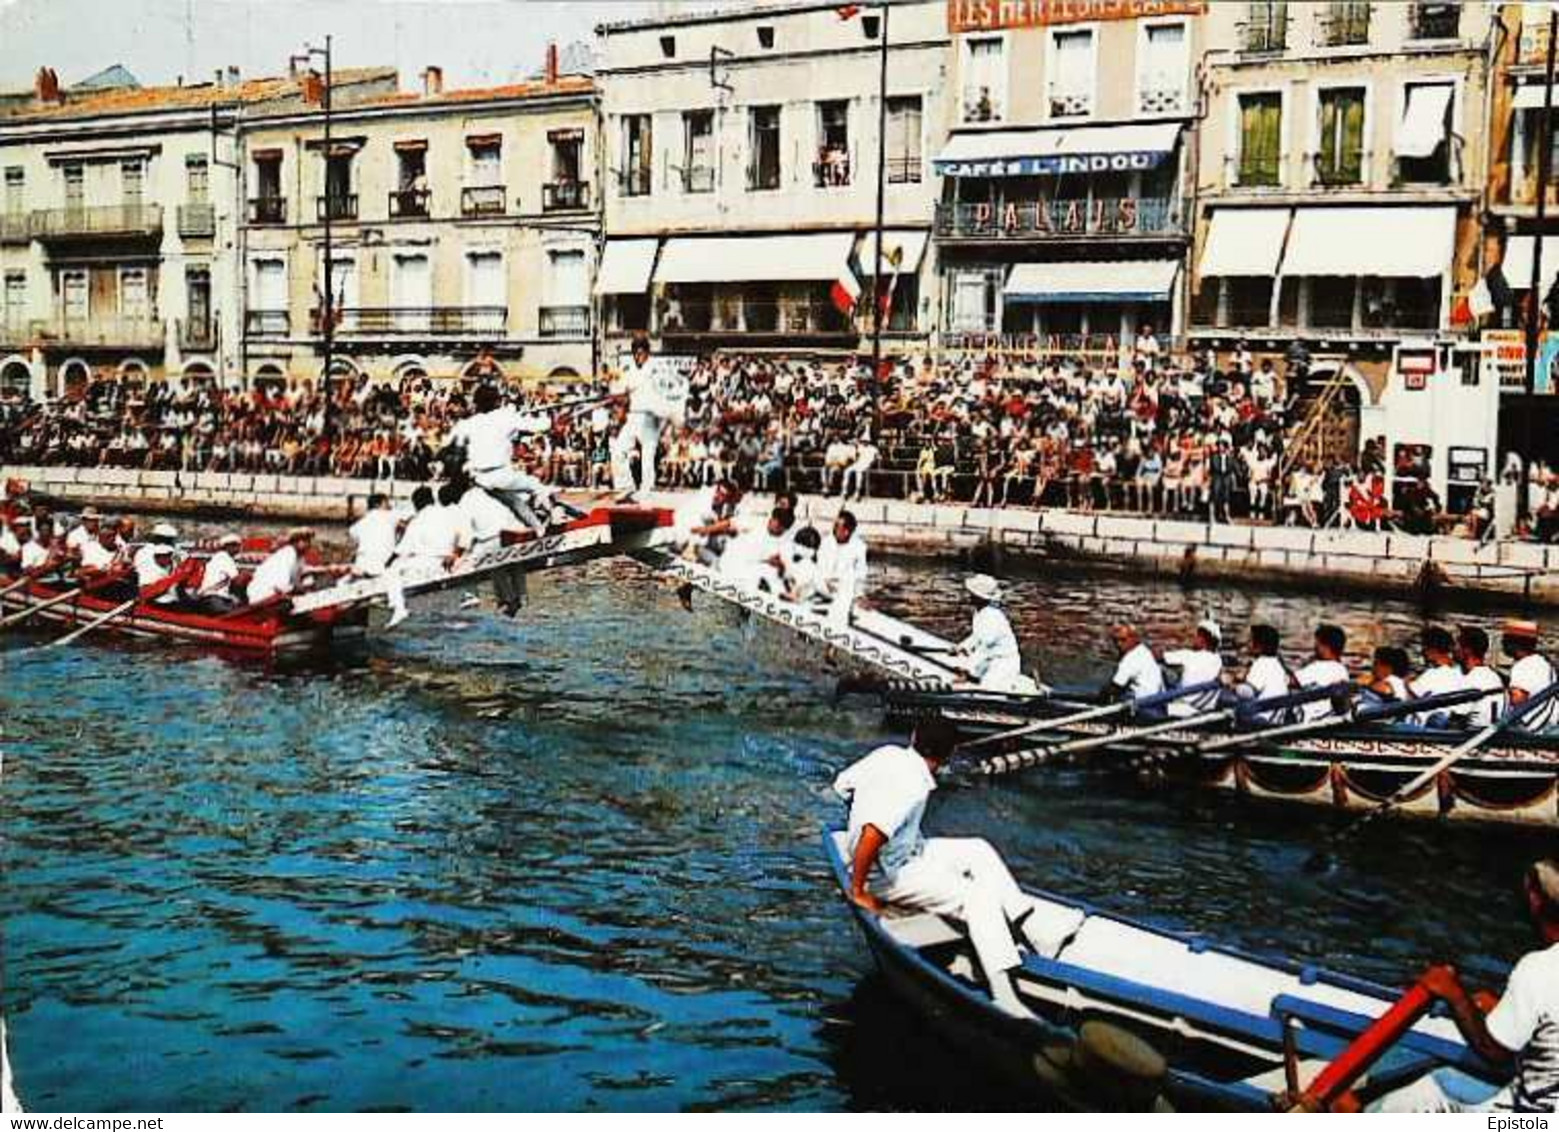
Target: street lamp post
x,y
327,306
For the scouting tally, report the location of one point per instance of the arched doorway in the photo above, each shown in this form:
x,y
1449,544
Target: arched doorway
x,y
15,378
270,379
74,377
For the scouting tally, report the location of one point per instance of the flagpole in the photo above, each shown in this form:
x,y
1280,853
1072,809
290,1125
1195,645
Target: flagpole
x,y
1534,296
882,164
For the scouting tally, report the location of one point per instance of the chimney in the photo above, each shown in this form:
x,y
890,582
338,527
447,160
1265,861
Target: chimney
x,y
552,64
312,88
232,75
432,81
46,86
217,81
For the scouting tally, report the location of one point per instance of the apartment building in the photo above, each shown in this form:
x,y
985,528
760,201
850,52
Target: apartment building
x,y
117,224
462,232
1063,215
1341,169
741,155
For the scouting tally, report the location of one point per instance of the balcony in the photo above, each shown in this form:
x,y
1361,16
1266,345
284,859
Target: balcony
x,y
267,324
905,170
1345,25
343,207
484,200
565,322
565,196
406,204
701,323
387,322
121,220
698,179
197,221
831,170
267,210
129,332
197,334
1436,21
15,228
1055,220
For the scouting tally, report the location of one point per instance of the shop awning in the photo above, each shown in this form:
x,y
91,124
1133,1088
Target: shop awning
x,y
755,259
1417,242
1425,119
1070,149
625,267
1245,241
1089,281
907,242
1530,97
1516,267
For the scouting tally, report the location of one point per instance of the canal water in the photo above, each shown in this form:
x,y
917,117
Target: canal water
x,y
572,862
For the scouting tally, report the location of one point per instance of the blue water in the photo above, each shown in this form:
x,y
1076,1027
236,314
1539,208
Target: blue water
x,y
572,862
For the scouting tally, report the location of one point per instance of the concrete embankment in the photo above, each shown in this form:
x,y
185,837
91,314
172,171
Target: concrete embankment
x,y
1331,558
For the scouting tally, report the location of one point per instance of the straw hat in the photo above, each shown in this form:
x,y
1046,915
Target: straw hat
x,y
1516,627
983,586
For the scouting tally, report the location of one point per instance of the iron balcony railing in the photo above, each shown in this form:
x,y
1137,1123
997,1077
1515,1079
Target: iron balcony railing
x,y
127,331
565,322
813,318
483,200
267,210
267,323
374,321
565,196
1345,24
406,204
904,170
97,220
197,220
343,207
1061,219
1436,20
698,179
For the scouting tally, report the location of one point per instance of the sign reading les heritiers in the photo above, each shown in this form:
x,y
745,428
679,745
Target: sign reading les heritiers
x,y
992,15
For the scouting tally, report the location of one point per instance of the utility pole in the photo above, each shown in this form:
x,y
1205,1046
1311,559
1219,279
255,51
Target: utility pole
x,y
1545,158
877,251
327,304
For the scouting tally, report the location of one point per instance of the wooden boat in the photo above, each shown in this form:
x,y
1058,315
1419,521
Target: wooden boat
x,y
1236,1030
331,615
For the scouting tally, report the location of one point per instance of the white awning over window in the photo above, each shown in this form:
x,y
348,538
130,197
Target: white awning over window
x,y
1516,267
1416,242
755,259
1089,281
1530,97
1068,149
908,243
1245,241
1425,119
625,267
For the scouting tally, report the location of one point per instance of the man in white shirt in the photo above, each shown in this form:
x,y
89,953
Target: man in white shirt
x,y
155,566
32,553
1267,676
643,382
755,556
1441,676
486,521
1520,1034
1137,673
1472,652
374,536
855,476
100,555
893,863
1324,670
842,569
1198,665
991,646
10,543
282,572
83,532
432,540
488,439
215,592
1530,673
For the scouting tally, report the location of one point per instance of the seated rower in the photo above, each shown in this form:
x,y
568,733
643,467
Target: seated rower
x,y
282,572
1440,677
1386,680
1325,669
1137,674
158,566
1472,654
892,863
992,646
83,532
842,568
216,593
14,531
754,557
1197,665
1530,673
1520,1033
32,553
100,554
1267,677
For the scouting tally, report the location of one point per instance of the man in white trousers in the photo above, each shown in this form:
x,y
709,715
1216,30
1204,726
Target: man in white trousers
x,y
374,536
647,410
841,568
488,439
891,863
992,646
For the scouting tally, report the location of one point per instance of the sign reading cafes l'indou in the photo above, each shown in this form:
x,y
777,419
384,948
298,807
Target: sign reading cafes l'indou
x,y
993,15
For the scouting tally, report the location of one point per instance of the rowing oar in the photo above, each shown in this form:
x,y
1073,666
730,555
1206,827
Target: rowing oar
x,y
1321,859
28,577
57,599
101,619
1158,699
1331,1085
1366,714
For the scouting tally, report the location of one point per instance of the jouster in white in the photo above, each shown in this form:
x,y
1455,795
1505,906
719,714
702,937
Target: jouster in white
x,y
991,646
842,568
488,439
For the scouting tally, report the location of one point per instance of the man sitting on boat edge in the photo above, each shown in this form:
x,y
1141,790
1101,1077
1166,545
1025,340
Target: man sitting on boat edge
x,y
992,646
1521,1031
892,863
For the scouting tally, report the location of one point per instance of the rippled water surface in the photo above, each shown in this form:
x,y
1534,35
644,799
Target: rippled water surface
x,y
573,862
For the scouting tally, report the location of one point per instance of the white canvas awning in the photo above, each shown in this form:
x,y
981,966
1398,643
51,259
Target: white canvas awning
x,y
755,259
1245,241
1089,281
1068,149
625,267
1516,267
909,243
1425,119
1386,242
1530,97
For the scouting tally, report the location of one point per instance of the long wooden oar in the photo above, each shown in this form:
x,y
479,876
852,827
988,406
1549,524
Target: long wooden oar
x,y
1319,860
102,619
27,578
1364,1051
1103,712
57,599
1368,714
1018,760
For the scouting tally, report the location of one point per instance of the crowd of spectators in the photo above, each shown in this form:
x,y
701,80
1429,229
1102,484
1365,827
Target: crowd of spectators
x,y
1155,436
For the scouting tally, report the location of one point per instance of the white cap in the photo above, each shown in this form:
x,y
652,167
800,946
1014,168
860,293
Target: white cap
x,y
164,530
983,586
